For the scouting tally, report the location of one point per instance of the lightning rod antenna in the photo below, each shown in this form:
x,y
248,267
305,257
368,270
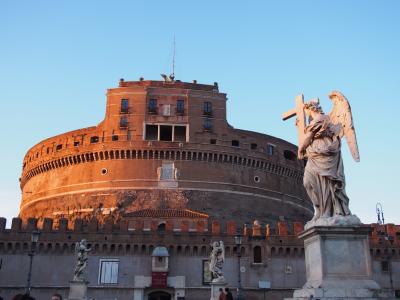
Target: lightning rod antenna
x,y
173,60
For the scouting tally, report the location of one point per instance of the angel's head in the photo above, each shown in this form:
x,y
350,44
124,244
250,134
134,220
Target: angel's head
x,y
312,107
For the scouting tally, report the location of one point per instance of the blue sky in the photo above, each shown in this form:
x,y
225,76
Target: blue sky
x,y
57,58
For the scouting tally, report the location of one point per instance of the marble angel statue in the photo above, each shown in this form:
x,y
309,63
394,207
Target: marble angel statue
x,y
81,251
324,178
217,258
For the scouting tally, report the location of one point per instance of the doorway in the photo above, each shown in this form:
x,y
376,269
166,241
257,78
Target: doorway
x,y
159,296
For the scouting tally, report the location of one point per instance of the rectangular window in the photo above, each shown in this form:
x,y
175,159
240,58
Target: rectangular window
x,y
123,122
124,106
213,141
270,149
152,109
180,107
93,139
165,133
180,133
151,132
207,108
207,276
235,143
108,271
114,137
207,125
76,144
59,147
253,146
385,266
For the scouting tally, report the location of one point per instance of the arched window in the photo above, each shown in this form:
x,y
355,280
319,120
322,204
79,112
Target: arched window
x,y
161,228
257,257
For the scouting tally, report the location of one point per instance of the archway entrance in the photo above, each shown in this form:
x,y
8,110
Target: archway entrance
x,y
159,296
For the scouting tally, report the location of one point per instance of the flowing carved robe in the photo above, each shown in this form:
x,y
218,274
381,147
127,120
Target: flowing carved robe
x,y
324,174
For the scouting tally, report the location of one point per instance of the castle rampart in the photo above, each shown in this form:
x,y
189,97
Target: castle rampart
x,y
164,145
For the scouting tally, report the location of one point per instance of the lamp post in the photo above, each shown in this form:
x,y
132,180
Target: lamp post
x,y
381,221
34,239
238,242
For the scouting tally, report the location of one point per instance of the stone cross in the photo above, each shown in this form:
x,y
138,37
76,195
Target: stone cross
x,y
298,111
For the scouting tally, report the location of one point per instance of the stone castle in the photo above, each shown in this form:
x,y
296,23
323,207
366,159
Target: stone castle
x,y
164,175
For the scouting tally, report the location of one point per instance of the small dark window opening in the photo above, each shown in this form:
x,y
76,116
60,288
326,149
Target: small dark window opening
x,y
58,147
270,149
161,228
76,143
235,143
180,133
397,293
151,132
93,139
123,122
385,266
253,146
152,108
48,150
165,133
207,125
114,137
289,155
124,106
257,258
180,107
213,141
207,108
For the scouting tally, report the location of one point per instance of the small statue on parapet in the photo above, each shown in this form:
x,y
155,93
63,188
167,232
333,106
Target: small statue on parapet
x,y
217,258
81,251
320,144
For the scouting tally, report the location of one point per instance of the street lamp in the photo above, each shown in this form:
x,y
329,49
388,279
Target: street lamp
x,y
381,221
34,239
238,242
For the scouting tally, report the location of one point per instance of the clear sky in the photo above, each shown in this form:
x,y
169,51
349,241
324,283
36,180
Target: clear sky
x,y
57,58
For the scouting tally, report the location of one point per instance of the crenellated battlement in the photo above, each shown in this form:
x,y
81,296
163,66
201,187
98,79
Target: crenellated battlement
x,y
182,237
154,225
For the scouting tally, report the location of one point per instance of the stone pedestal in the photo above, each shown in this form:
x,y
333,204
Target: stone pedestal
x,y
77,290
338,264
215,286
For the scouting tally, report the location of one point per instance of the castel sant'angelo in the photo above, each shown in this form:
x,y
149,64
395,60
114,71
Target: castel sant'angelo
x,y
164,148
150,188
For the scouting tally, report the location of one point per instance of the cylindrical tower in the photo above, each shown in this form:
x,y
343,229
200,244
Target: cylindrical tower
x,y
164,145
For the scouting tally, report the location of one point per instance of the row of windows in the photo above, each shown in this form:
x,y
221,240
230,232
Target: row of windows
x,y
152,107
172,133
177,133
161,154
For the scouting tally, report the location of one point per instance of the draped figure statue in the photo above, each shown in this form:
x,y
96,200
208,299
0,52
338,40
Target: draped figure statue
x,y
217,258
324,178
81,250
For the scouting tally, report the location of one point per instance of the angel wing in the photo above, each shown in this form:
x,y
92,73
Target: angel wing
x,y
342,119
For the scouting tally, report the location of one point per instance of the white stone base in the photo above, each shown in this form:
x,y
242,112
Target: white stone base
x,y
77,290
215,286
338,264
